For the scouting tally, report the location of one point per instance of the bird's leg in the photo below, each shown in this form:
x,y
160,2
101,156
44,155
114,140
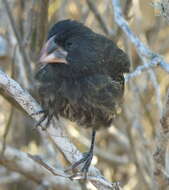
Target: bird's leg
x,y
44,116
87,158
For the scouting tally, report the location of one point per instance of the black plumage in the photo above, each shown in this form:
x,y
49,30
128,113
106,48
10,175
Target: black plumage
x,y
81,76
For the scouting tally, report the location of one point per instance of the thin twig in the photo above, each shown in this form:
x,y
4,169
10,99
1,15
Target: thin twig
x,y
98,16
7,129
140,69
143,51
60,172
18,161
162,140
49,168
42,23
126,10
18,37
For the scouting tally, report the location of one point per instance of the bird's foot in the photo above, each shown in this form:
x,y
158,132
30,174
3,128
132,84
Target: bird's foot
x,y
38,112
45,115
86,161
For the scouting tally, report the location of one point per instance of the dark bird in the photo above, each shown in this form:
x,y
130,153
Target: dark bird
x,y
81,78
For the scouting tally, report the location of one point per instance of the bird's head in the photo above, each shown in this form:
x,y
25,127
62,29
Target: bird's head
x,y
66,43
74,47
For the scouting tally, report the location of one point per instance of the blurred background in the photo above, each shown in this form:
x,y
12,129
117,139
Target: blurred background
x,y
124,152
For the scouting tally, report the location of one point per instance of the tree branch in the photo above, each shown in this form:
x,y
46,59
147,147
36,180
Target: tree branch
x,y
143,51
162,141
18,38
152,59
20,162
98,16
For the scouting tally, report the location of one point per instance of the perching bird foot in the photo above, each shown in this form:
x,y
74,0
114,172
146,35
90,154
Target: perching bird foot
x,y
45,115
38,112
86,161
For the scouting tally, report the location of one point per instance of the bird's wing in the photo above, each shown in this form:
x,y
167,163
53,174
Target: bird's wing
x,y
101,91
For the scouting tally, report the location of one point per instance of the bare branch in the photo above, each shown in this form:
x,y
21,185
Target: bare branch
x,y
144,52
162,141
18,37
140,69
7,130
99,18
19,162
45,165
42,22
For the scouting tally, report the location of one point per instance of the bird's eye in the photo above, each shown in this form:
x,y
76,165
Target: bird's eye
x,y
69,45
55,40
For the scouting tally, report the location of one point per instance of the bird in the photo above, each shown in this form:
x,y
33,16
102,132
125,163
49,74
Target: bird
x,y
81,78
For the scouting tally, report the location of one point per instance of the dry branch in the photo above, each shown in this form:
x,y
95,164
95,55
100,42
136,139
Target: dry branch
x,y
17,161
162,141
98,16
18,37
152,59
143,51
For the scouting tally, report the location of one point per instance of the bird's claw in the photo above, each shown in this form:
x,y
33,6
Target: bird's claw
x,y
43,118
38,112
77,175
86,160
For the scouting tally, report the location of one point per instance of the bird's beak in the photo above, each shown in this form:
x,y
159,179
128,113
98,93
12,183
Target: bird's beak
x,y
52,53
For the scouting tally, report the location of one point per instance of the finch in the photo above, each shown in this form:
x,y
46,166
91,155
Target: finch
x,y
81,78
